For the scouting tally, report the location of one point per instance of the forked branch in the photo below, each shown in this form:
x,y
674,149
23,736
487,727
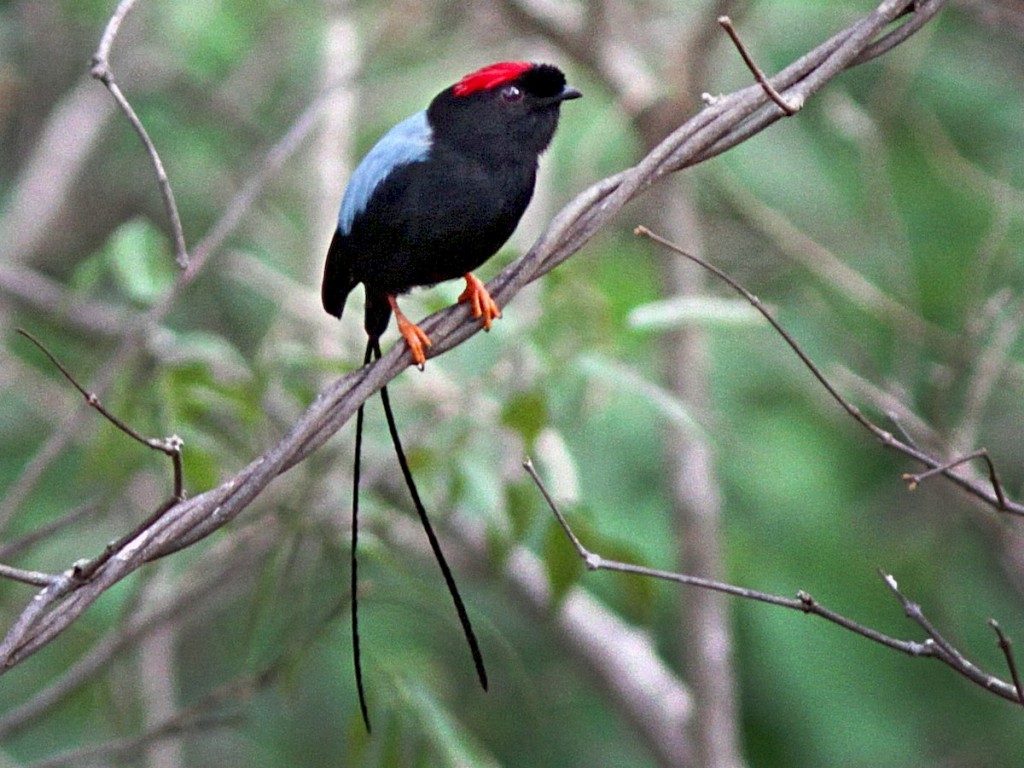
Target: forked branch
x,y
994,496
934,646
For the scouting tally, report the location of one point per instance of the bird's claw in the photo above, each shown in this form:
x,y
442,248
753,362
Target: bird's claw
x,y
480,302
414,336
416,340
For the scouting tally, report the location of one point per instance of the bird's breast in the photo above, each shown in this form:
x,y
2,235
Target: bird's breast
x,y
433,221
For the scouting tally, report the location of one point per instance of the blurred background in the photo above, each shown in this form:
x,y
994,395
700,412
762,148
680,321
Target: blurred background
x,y
883,225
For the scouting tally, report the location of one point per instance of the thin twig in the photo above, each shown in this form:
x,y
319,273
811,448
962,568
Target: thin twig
x,y
913,480
905,436
997,499
789,107
915,613
84,570
1007,648
757,304
102,72
803,602
591,560
169,446
936,646
131,342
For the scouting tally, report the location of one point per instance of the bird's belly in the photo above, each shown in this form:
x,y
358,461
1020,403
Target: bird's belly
x,y
429,250
400,269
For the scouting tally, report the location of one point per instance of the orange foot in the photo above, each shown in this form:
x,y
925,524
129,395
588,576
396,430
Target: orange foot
x,y
479,300
414,336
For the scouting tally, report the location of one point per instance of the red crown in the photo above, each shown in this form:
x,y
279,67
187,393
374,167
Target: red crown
x,y
490,77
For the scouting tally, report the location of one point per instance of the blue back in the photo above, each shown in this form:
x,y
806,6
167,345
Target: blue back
x,y
408,142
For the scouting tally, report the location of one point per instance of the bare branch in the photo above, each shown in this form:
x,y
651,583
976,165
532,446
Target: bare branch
x,y
936,646
102,72
244,199
914,480
995,497
132,340
757,304
945,651
169,446
1007,648
789,108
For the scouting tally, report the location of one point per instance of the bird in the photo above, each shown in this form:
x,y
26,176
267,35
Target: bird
x,y
441,192
433,199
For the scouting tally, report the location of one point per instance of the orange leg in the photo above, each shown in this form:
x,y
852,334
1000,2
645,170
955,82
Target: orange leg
x,y
480,302
414,336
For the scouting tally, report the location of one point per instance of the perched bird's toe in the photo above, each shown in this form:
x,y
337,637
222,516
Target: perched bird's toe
x,y
415,338
480,302
417,341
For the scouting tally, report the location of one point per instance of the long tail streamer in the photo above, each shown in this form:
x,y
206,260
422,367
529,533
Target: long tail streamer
x,y
353,564
373,349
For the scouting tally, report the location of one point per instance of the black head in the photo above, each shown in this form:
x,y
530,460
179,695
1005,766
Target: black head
x,y
509,108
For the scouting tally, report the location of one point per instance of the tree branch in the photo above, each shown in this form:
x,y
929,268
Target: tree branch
x,y
935,646
992,495
134,334
102,72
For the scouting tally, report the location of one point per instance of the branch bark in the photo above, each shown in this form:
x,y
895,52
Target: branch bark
x,y
935,645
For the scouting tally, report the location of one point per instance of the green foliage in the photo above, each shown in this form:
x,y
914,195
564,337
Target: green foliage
x,y
139,258
561,562
527,414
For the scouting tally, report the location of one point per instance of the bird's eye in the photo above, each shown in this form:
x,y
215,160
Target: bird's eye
x,y
511,93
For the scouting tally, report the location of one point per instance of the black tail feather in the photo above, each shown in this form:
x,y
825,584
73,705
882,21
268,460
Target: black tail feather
x,y
377,313
373,352
435,545
353,565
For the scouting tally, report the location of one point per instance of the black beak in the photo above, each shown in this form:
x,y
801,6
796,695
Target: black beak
x,y
567,93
